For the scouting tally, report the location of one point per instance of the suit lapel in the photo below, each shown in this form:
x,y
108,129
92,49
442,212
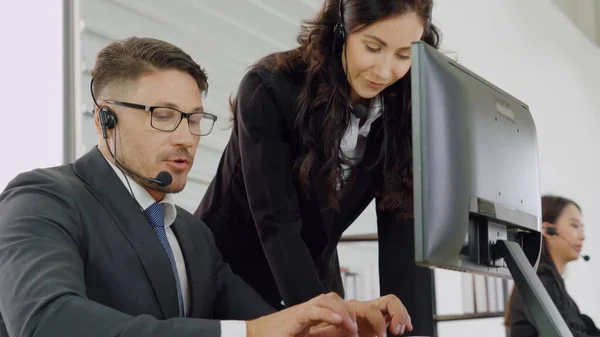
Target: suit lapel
x,y
127,215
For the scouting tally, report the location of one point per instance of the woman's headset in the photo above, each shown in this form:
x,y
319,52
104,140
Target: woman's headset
x,y
339,30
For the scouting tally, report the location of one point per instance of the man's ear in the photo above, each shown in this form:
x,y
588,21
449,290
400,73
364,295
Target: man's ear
x,y
97,120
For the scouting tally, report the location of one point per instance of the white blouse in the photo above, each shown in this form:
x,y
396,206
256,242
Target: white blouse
x,y
355,139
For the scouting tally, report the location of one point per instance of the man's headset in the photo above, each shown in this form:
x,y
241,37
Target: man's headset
x,y
108,121
553,232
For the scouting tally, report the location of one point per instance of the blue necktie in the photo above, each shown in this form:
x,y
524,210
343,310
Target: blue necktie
x,y
156,215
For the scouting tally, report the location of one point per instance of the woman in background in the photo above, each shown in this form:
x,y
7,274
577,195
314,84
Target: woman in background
x,y
321,131
563,237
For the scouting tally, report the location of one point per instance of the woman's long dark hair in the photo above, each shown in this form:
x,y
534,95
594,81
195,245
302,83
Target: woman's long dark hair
x,y
552,207
320,132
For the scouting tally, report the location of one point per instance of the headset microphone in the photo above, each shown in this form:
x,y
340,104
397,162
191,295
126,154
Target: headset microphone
x,y
552,232
162,179
360,111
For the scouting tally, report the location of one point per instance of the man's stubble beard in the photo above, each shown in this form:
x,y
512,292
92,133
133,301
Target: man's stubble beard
x,y
146,184
142,182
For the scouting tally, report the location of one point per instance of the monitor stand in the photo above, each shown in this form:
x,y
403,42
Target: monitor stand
x,y
546,317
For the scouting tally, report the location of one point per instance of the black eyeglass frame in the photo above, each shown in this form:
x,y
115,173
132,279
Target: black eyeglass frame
x,y
182,115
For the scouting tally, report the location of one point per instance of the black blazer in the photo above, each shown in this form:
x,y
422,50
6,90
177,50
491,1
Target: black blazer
x,y
79,258
521,324
277,238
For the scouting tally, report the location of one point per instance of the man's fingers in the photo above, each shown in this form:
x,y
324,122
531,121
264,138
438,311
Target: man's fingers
x,y
398,316
315,315
400,322
328,331
335,303
409,326
375,317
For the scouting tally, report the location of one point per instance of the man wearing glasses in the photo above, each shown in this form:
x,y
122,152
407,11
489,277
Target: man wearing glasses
x,y
98,248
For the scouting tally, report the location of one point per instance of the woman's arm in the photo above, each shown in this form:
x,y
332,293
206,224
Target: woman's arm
x,y
399,274
267,162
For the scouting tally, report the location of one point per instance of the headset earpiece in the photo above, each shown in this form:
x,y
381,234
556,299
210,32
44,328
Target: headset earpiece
x,y
339,37
108,120
339,30
550,231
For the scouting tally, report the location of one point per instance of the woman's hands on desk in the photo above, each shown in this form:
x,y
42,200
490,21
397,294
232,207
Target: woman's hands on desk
x,y
331,316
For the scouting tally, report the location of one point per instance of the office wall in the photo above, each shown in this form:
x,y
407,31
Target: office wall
x,y
531,50
31,97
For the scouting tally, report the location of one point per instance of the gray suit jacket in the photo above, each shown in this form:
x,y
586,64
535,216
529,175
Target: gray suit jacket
x,y
79,258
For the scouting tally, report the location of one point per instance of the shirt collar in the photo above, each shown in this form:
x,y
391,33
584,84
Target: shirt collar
x,y
144,199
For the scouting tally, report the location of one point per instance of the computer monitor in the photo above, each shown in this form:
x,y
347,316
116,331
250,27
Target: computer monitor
x,y
477,202
476,174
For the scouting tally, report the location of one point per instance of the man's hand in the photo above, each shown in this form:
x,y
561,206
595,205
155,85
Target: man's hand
x,y
373,318
298,320
395,314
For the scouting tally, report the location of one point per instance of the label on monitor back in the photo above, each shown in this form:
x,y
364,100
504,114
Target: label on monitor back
x,y
505,110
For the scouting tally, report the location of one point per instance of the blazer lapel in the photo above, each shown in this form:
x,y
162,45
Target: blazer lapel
x,y
126,213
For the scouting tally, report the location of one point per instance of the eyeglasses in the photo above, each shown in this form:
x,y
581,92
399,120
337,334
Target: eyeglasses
x,y
168,119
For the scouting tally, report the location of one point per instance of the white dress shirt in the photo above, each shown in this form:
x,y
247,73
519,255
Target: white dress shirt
x,y
228,328
355,139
